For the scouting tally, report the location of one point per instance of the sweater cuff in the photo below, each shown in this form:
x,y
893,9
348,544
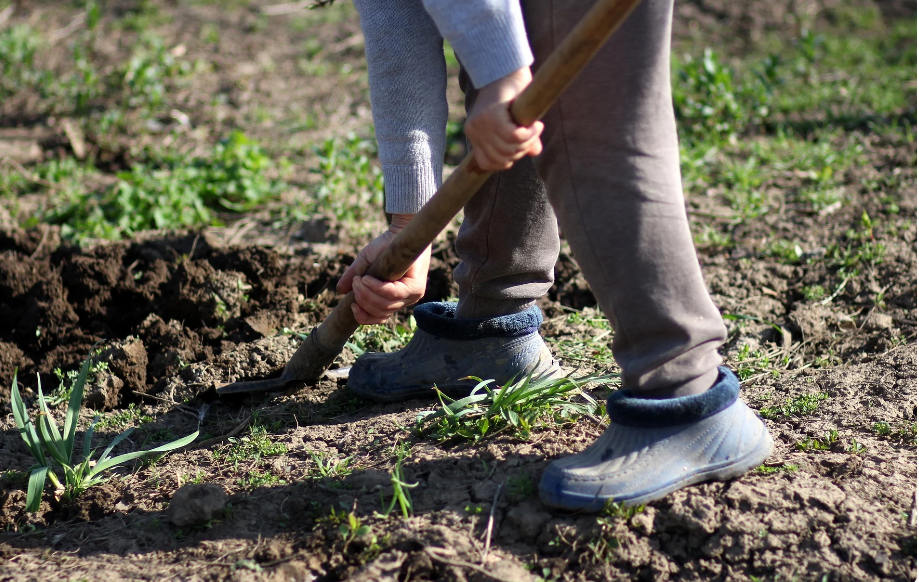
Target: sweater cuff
x,y
494,47
407,188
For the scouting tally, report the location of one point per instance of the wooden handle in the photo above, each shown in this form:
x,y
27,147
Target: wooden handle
x,y
550,80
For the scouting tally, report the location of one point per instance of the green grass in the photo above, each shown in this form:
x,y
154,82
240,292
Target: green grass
x,y
824,443
121,418
803,405
518,407
785,468
169,192
253,447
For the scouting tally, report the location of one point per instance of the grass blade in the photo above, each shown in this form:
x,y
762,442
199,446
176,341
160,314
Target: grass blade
x,y
26,428
115,441
36,486
73,408
88,437
103,465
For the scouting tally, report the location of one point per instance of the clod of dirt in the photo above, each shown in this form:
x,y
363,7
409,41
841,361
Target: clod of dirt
x,y
526,520
877,321
207,295
196,504
104,393
384,569
18,274
812,320
128,361
93,504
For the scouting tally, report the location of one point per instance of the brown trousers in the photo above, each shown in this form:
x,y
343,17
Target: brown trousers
x,y
610,176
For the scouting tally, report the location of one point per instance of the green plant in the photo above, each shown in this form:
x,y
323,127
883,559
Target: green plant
x,y
400,488
52,447
521,487
772,470
802,405
329,466
120,418
351,183
818,443
252,447
62,393
172,192
881,428
18,45
518,405
381,338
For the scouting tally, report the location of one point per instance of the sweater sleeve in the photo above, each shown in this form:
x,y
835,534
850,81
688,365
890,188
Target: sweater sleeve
x,y
408,83
489,36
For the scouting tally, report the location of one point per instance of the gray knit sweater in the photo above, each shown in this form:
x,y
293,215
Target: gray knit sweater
x,y
405,60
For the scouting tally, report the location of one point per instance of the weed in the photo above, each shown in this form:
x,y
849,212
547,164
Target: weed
x,y
66,381
818,443
253,479
18,45
518,406
813,292
712,102
59,445
400,488
772,470
789,252
381,338
802,405
121,418
172,192
618,511
881,428
521,487
856,448
253,447
328,466
351,183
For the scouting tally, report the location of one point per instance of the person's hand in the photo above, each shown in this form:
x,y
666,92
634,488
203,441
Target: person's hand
x,y
497,142
376,300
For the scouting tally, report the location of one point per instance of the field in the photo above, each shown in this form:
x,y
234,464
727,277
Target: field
x,y
182,183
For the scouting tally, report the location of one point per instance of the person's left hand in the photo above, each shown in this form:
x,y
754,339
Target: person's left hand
x,y
497,142
376,300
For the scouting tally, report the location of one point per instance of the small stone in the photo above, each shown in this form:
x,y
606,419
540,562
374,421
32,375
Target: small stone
x,y
196,504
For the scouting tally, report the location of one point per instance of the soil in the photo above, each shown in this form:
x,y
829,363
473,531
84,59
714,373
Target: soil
x,y
175,314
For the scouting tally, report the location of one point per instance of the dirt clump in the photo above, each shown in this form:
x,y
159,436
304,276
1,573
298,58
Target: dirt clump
x,y
196,504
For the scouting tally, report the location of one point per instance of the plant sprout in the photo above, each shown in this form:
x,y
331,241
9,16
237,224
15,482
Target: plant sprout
x,y
53,448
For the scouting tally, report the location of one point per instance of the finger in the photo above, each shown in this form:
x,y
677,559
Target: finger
x,y
399,291
524,134
533,147
373,303
490,160
363,317
358,267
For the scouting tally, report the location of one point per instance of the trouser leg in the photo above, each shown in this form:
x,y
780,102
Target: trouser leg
x,y
508,243
611,167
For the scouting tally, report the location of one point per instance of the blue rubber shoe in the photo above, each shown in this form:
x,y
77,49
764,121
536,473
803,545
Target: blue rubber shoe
x,y
654,447
445,351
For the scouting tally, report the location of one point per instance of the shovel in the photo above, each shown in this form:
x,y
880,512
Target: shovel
x,y
326,341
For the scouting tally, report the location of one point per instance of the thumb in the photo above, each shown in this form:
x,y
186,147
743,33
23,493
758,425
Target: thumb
x,y
357,268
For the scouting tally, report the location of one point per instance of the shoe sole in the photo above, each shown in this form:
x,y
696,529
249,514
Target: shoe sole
x,y
716,472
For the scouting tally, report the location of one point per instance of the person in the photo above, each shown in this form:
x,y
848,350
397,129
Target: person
x,y
605,167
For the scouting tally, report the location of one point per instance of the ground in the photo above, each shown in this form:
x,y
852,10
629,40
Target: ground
x,y
181,184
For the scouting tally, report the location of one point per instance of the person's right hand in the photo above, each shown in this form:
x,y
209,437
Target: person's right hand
x,y
376,300
497,141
